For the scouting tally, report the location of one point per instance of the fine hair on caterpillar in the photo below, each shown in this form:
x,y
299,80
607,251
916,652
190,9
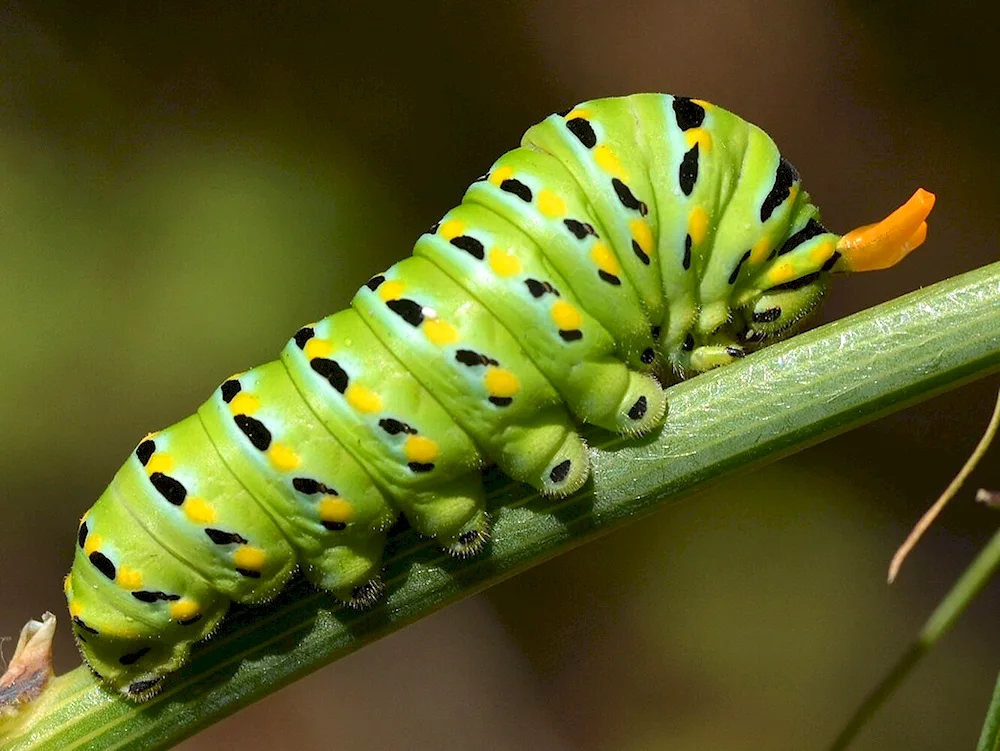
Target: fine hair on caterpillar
x,y
626,241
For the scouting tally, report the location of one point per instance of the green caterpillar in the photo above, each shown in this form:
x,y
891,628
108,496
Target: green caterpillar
x,y
627,240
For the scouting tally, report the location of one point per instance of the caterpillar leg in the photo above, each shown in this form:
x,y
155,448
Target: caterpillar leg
x,y
618,399
713,356
352,574
454,514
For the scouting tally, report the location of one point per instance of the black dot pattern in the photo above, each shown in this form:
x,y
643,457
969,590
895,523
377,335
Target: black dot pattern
x,y
627,198
561,471
639,252
638,410
144,451
689,114
579,229
393,426
811,230
687,174
133,657
303,335
85,626
736,271
172,490
767,316
103,564
784,178
538,288
583,130
255,431
831,261
471,359
230,389
149,596
799,283
332,372
517,188
410,311
470,245
609,278
221,537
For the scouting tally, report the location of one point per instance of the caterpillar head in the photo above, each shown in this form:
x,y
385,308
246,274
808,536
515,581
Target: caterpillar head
x,y
795,286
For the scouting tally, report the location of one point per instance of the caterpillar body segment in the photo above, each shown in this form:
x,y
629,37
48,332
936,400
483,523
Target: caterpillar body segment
x,y
626,240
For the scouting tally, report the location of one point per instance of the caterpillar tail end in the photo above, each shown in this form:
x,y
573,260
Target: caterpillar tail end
x,y
886,243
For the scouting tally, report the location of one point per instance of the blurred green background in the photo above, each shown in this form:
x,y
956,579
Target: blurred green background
x,y
183,185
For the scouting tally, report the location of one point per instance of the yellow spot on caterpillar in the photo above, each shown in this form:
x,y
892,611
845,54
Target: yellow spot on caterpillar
x,y
698,225
128,578
504,263
699,136
760,249
566,316
249,558
642,234
451,229
68,584
500,382
92,544
497,176
332,509
822,252
551,205
605,259
420,449
184,609
283,458
362,399
318,348
585,114
783,272
440,332
244,404
608,162
198,511
75,609
159,463
391,291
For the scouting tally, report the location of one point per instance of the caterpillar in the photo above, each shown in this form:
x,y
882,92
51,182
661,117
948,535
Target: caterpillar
x,y
627,241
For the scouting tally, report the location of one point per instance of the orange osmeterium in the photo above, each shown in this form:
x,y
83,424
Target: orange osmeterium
x,y
881,245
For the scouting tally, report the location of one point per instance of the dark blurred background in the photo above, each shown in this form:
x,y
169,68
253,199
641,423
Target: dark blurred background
x,y
183,185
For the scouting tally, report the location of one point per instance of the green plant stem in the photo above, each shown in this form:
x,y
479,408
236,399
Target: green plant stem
x,y
989,739
969,584
782,399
